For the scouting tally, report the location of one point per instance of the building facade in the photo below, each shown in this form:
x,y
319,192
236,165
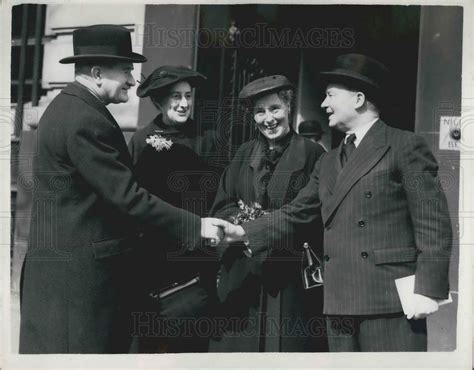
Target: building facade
x,y
234,44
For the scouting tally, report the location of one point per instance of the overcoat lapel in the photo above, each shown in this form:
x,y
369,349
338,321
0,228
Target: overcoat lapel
x,y
370,150
256,155
292,160
80,91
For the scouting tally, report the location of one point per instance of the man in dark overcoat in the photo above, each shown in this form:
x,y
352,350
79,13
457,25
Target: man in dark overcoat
x,y
77,282
385,217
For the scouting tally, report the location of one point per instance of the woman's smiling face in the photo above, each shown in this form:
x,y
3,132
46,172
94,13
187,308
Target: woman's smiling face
x,y
271,115
176,105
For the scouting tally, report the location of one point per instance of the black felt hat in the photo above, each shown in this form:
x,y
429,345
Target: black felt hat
x,y
167,75
102,42
265,85
359,70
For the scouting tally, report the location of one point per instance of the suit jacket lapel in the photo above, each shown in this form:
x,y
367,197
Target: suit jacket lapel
x,y
370,150
330,177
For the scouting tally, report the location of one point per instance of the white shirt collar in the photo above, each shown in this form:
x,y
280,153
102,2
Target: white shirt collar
x,y
84,82
360,131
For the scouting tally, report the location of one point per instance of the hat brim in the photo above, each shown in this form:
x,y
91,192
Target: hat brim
x,y
194,80
341,76
134,58
372,90
266,91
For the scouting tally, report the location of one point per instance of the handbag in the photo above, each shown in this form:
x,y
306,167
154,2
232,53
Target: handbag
x,y
182,300
311,269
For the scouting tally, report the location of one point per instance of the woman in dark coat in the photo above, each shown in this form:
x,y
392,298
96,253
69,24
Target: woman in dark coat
x,y
169,156
263,306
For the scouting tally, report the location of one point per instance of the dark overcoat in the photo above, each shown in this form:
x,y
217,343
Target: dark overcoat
x,y
78,279
385,217
184,176
263,305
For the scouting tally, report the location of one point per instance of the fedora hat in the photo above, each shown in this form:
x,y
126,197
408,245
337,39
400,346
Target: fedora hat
x,y
167,75
102,42
359,70
265,85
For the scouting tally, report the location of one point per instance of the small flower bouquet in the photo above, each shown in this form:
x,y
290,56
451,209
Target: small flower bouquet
x,y
247,212
159,142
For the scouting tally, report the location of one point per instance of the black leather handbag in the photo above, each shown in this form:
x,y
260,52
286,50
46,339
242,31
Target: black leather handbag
x,y
311,269
182,300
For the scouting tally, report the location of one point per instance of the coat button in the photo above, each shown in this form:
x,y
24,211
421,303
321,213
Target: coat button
x,y
361,223
328,227
368,194
364,255
326,257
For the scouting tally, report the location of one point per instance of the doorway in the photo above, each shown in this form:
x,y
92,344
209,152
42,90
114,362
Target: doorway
x,y
239,43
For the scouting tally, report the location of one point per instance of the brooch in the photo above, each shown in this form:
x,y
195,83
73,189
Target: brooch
x,y
159,142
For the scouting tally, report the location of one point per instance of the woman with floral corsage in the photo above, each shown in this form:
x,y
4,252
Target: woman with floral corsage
x,y
170,160
263,304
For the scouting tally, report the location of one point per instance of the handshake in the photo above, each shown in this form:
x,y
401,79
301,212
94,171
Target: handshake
x,y
218,231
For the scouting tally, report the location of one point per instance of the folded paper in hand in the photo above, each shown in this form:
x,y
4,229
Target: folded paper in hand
x,y
406,292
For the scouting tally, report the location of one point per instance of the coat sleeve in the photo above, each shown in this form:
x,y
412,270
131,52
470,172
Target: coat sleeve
x,y
225,203
94,150
430,218
282,225
228,194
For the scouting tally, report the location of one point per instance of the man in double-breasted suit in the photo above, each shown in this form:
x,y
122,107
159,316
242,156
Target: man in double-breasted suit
x,y
77,279
385,217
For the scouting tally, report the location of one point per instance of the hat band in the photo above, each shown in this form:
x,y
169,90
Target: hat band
x,y
101,50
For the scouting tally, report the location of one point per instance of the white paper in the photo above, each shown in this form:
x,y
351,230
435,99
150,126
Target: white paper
x,y
406,292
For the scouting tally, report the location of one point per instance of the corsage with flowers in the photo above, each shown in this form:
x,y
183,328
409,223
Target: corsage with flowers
x,y
159,142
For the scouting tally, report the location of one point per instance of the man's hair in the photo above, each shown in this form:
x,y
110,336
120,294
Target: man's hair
x,y
84,67
371,96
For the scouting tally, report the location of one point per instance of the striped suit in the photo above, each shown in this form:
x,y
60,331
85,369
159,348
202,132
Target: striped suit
x,y
385,216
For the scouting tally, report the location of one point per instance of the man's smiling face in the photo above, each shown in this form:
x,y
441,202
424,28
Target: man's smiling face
x,y
340,103
117,79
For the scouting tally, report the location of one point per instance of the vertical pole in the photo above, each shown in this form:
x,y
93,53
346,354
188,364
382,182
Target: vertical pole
x,y
36,57
195,57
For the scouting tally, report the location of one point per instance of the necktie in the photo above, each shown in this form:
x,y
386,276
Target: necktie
x,y
347,149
